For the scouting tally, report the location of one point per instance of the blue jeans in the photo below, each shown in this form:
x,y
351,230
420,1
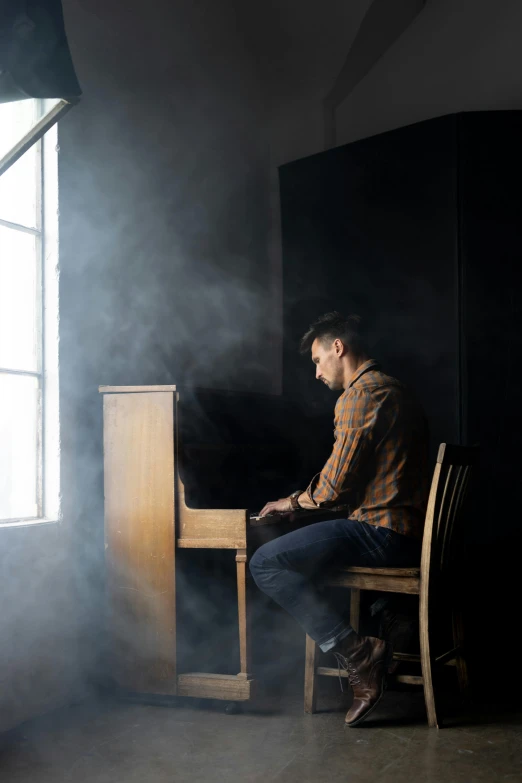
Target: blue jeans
x,y
289,570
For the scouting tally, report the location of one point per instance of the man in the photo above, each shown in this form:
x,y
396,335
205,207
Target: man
x,y
379,467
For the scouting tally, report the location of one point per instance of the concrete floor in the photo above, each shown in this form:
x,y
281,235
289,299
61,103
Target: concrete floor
x,y
121,742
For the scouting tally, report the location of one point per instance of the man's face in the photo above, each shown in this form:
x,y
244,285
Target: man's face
x,y
328,365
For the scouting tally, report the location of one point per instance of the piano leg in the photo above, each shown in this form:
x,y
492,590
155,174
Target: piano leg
x,y
230,687
244,640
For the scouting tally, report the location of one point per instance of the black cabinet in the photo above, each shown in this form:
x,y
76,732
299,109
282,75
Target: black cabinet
x,y
419,231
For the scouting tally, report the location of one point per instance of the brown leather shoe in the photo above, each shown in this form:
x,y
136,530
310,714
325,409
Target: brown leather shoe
x,y
366,662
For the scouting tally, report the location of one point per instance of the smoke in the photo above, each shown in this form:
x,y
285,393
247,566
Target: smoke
x,y
164,278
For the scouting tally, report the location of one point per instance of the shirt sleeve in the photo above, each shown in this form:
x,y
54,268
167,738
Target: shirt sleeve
x,y
356,416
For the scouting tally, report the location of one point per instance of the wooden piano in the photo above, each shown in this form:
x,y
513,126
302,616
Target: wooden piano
x,y
146,521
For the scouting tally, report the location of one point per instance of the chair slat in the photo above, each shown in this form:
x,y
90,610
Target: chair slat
x,y
414,572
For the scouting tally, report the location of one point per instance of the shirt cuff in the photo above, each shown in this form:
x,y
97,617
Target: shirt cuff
x,y
311,488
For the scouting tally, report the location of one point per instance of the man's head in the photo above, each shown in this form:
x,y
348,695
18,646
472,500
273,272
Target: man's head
x,y
337,348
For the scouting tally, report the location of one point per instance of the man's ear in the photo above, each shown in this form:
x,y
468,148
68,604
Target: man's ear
x,y
340,348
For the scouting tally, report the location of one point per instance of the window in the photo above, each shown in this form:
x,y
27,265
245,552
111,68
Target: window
x,y
29,457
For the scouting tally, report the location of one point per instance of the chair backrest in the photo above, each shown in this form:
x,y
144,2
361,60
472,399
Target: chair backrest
x,y
449,487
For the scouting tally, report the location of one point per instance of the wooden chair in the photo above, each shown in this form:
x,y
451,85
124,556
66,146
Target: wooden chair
x,y
434,583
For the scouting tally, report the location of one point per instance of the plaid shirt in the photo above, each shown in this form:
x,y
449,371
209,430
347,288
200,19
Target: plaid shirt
x,y
380,456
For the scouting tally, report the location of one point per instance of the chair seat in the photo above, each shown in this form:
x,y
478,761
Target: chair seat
x,y
392,580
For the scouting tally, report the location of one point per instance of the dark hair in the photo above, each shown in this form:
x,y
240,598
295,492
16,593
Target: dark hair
x,y
333,326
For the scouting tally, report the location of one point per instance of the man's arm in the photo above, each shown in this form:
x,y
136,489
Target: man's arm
x,y
356,421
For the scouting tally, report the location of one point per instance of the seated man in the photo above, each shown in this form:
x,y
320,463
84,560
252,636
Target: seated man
x,y
379,466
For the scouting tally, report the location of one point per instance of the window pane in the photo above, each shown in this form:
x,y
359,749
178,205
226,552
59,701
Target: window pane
x,y
18,190
16,119
17,185
18,300
19,416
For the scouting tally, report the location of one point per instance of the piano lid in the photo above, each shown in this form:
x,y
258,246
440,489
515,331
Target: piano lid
x,y
131,389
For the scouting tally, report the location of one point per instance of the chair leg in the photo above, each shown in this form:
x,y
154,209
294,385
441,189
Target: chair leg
x,y
426,661
310,685
355,608
458,641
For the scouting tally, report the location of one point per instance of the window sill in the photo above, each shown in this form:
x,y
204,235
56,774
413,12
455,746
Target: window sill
x,y
27,523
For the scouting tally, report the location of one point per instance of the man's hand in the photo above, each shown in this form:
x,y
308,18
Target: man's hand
x,y
276,507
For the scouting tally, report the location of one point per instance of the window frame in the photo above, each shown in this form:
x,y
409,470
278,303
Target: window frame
x,y
45,233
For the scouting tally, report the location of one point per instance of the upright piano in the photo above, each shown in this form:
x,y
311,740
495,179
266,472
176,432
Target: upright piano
x,y
147,520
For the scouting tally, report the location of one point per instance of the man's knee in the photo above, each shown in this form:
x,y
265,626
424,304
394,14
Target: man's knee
x,y
263,565
257,565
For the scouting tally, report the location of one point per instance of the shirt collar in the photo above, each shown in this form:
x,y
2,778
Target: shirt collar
x,y
369,365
